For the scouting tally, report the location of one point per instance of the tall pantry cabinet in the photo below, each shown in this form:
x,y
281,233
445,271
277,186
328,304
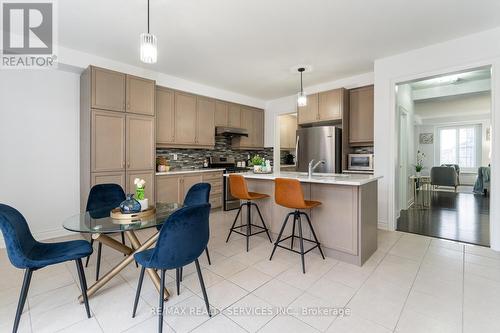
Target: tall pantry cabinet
x,y
117,131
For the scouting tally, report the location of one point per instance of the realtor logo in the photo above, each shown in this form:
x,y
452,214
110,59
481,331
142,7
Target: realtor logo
x,y
28,32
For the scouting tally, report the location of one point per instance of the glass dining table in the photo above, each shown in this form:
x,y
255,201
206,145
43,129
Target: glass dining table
x,y
100,225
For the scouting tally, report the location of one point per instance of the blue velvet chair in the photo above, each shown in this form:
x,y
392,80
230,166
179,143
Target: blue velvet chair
x,y
198,194
26,253
102,199
182,239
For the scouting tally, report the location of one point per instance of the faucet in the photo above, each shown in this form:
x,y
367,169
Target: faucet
x,y
312,167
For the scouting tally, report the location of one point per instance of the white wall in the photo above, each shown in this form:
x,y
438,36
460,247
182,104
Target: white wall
x,y
468,52
404,100
39,147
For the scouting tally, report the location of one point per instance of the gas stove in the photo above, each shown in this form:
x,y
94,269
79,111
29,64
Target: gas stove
x,y
229,166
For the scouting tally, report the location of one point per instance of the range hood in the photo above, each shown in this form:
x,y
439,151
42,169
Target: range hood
x,y
230,131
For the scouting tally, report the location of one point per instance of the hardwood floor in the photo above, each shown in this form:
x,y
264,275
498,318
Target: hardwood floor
x,y
462,217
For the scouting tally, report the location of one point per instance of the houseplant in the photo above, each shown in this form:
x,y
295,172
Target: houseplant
x,y
140,185
257,162
419,166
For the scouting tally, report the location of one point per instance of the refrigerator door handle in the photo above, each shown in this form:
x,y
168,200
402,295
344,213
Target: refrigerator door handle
x,y
297,151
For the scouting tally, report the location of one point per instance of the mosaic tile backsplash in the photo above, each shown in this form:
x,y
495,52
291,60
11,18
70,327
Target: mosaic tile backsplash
x,y
187,158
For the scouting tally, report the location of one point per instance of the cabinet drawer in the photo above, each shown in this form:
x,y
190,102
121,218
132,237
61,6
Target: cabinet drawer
x,y
212,175
213,182
216,201
216,190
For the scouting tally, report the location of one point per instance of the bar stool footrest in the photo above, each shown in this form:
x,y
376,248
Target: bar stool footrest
x,y
233,229
305,239
245,225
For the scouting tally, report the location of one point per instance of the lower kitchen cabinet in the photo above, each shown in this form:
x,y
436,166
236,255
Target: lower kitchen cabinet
x,y
126,181
168,189
173,188
108,178
187,181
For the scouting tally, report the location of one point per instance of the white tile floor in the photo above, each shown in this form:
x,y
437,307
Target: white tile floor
x,y
411,284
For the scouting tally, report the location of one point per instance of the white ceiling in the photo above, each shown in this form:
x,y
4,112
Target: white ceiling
x,y
249,46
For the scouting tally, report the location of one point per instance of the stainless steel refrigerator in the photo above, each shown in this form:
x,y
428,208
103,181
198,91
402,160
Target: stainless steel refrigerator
x,y
319,143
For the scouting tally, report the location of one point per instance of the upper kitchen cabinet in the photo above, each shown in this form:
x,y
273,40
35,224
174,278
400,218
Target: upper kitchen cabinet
x,y
309,113
221,112
115,91
227,114
253,121
108,89
165,116
361,116
140,95
234,115
185,118
288,128
322,107
330,105
140,142
257,133
205,127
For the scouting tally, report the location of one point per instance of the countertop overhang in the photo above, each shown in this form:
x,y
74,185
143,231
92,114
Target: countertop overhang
x,y
318,178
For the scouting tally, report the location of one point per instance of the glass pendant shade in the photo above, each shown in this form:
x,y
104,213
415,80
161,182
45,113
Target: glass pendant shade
x,y
301,99
149,51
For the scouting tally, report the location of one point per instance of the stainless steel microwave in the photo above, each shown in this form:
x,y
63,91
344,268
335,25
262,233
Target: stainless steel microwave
x,y
361,162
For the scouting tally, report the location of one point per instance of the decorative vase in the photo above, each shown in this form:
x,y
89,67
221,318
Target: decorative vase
x,y
144,204
139,193
130,205
257,168
418,173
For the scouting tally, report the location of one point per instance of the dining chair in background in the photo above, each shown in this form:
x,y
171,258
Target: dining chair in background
x,y
102,199
182,239
198,194
26,253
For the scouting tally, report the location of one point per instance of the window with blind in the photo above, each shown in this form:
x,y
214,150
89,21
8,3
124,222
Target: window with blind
x,y
460,145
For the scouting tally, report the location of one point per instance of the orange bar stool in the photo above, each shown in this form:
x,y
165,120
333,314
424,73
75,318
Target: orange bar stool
x,y
239,190
288,193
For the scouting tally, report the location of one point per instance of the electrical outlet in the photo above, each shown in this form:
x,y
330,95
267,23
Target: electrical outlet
x,y
175,157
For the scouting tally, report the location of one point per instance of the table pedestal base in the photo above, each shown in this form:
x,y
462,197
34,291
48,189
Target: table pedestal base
x,y
136,247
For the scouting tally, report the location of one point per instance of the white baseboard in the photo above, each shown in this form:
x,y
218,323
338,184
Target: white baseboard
x,y
382,225
44,235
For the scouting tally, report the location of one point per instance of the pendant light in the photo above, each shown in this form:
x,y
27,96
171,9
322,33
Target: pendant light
x,y
301,97
149,51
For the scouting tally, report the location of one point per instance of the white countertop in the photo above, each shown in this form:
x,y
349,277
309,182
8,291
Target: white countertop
x,y
319,178
184,171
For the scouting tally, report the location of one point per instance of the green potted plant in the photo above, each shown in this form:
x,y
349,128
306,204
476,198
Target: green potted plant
x,y
419,166
140,185
257,162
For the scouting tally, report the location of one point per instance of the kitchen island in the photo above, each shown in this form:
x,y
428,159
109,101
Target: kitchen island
x,y
345,223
